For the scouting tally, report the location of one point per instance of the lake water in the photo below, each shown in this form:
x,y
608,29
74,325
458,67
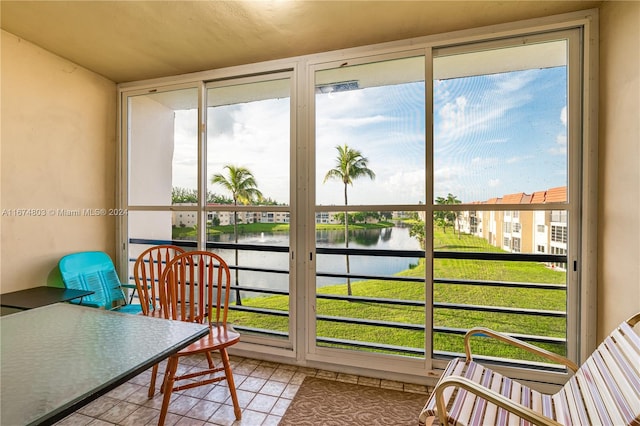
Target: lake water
x,y
396,238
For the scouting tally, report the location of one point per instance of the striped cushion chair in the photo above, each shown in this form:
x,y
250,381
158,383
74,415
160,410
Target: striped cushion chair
x,y
605,390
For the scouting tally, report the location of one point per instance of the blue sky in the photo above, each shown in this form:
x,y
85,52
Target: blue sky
x,y
493,135
500,134
387,125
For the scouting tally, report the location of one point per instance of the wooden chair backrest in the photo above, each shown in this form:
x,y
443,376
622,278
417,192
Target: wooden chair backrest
x,y
196,288
147,273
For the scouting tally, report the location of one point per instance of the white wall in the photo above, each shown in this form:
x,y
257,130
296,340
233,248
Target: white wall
x,y
58,136
151,127
619,165
151,131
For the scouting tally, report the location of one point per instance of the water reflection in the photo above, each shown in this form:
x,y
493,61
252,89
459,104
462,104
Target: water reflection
x,y
396,238
380,238
357,237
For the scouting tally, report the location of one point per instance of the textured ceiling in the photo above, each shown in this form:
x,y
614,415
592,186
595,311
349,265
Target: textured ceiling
x,y
135,40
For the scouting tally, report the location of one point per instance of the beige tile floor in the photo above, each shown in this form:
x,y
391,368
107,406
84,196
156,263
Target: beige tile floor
x,y
265,390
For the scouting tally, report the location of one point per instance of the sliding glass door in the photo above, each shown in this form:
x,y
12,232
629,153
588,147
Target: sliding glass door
x,y
162,174
248,208
420,236
374,205
506,182
225,189
370,186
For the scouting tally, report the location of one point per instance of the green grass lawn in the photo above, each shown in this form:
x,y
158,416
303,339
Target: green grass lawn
x,y
443,293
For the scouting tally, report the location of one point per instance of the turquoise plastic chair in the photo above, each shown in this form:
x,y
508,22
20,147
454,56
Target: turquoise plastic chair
x,y
94,271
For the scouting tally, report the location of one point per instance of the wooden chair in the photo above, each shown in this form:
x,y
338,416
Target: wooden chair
x,y
147,272
605,390
197,285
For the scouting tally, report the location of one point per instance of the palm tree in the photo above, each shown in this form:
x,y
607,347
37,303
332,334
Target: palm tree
x,y
445,217
244,189
350,165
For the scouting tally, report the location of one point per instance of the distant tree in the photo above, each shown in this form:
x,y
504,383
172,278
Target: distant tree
x,y
242,185
244,189
417,229
444,218
268,202
353,218
440,216
339,217
218,199
377,216
183,195
359,217
386,215
350,165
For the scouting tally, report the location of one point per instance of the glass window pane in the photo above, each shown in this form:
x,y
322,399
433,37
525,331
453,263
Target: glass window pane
x,y
249,127
370,150
149,228
163,146
500,121
520,296
259,301
248,163
371,298
378,111
153,225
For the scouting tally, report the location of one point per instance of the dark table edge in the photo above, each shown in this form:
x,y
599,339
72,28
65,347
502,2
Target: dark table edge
x,y
24,307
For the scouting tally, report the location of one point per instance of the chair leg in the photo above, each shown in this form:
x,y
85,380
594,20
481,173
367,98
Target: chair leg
x,y
172,367
232,386
152,385
210,360
164,379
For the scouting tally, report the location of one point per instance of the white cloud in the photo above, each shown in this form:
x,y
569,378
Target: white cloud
x,y
481,128
496,141
453,114
482,107
513,82
560,147
485,162
518,159
446,173
258,140
353,121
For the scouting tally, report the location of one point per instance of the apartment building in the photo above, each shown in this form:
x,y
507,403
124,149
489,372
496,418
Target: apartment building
x,y
521,231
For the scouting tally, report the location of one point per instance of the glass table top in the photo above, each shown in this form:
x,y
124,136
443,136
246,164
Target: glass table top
x,y
56,358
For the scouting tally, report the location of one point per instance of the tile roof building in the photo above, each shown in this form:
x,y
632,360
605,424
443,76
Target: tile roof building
x,y
521,231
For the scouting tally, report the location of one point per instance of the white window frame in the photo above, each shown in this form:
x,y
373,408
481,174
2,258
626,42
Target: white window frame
x,y
582,326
